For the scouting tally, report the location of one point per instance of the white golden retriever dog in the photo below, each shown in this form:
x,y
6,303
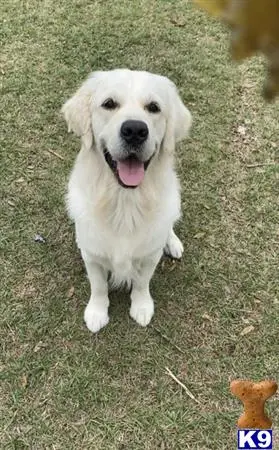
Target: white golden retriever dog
x,y
123,193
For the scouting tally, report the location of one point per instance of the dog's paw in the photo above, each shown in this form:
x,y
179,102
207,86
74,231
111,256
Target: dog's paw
x,y
95,317
142,311
174,247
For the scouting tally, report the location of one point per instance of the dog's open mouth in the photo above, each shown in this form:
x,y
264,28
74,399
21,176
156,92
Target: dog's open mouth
x,y
129,172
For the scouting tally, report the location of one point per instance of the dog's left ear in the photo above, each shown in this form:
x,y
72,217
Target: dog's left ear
x,y
179,119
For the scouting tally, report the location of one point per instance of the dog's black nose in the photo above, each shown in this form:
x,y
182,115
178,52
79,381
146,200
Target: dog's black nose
x,y
134,132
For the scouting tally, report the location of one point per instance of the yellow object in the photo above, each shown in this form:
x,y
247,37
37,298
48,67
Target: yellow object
x,y
255,28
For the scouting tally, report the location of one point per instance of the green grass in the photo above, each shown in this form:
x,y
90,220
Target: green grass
x,y
63,388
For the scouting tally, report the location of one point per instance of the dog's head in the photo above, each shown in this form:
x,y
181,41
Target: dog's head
x,y
131,116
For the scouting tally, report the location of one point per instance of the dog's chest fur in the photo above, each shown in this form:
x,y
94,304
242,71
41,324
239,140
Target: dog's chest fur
x,y
121,227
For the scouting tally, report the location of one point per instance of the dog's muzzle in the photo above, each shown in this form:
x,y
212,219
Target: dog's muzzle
x,y
129,171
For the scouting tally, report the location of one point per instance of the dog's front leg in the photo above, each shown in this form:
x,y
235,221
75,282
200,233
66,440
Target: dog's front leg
x,y
142,305
96,311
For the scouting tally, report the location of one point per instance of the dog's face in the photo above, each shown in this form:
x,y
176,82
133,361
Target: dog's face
x,y
131,116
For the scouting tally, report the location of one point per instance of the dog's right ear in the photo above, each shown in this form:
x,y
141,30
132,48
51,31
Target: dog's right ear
x,y
77,112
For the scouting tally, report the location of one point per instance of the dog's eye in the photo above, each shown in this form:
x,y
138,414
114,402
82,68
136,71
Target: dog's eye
x,y
153,107
109,103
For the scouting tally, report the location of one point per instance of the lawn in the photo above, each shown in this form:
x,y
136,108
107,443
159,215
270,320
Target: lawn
x,y
216,311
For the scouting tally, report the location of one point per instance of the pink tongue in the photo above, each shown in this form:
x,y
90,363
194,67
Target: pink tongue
x,y
130,171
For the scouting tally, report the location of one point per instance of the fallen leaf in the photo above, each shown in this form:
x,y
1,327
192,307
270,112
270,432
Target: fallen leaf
x,y
178,22
19,180
24,381
207,317
71,292
39,346
227,290
241,130
247,330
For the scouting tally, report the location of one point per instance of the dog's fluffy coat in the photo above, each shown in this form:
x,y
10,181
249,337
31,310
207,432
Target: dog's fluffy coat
x,y
122,231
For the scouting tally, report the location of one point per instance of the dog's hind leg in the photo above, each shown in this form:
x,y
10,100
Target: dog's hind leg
x,y
174,247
